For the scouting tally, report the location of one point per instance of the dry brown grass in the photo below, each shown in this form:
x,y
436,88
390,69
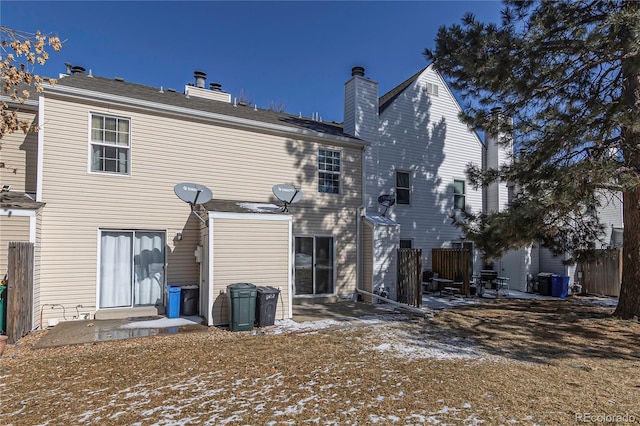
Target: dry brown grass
x,y
526,362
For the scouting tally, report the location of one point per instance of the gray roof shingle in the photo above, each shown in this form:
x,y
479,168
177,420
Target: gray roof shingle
x,y
178,99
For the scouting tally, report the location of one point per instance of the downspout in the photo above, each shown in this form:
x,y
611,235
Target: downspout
x,y
360,211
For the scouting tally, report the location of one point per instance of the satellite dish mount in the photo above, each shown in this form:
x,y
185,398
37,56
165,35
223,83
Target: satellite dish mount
x,y
386,201
288,194
193,194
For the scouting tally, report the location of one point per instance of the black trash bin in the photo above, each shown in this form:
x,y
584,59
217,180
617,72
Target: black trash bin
x,y
242,306
544,283
266,304
189,300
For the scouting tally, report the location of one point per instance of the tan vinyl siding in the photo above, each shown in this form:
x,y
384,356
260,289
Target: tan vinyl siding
x,y
19,154
342,225
249,251
235,164
12,228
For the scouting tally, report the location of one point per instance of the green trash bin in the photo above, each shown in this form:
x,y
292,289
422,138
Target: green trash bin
x,y
242,306
3,309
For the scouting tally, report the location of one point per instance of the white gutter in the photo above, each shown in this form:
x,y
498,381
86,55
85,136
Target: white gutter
x,y
219,118
27,102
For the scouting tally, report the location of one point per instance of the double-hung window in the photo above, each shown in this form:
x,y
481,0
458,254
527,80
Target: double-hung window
x,y
403,188
329,171
110,144
458,194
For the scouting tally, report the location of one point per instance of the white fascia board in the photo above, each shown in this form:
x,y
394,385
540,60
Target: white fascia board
x,y
220,118
18,212
14,104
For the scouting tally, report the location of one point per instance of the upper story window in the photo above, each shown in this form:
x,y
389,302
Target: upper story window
x,y
459,194
329,171
110,144
432,89
403,188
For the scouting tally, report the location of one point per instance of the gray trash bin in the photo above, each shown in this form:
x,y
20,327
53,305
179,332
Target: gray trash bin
x,y
544,283
189,300
266,304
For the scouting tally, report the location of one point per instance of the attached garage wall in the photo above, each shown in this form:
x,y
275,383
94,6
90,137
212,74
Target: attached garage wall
x,y
250,249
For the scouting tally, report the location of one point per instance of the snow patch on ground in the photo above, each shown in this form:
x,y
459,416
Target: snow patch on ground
x,y
163,322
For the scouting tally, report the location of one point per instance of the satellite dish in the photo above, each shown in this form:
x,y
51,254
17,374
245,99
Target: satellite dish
x,y
386,201
193,193
288,194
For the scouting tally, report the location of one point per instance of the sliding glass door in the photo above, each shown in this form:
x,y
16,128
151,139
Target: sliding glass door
x,y
315,266
132,268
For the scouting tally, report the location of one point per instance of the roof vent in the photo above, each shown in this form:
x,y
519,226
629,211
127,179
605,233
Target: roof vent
x,y
119,79
68,67
77,69
215,86
357,71
200,77
171,89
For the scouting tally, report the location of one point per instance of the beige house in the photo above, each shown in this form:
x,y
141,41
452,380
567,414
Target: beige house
x,y
113,234
20,213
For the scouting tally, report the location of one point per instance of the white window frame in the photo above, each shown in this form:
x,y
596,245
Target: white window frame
x,y
314,237
333,172
133,233
462,195
402,188
433,89
102,143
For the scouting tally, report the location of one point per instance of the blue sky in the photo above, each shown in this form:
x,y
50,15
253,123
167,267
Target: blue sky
x,y
296,53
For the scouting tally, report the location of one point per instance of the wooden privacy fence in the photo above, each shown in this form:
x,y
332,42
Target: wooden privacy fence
x,y
602,275
452,264
410,277
19,290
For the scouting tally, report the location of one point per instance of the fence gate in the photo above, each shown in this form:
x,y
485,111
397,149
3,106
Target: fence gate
x,y
452,264
19,290
410,277
602,275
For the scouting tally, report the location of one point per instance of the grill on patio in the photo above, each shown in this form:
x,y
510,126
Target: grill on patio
x,y
488,276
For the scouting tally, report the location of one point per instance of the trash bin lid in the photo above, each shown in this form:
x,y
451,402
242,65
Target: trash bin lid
x,y
189,287
241,286
268,289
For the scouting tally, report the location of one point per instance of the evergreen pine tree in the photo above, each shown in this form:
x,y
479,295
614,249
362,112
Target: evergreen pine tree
x,y
567,74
